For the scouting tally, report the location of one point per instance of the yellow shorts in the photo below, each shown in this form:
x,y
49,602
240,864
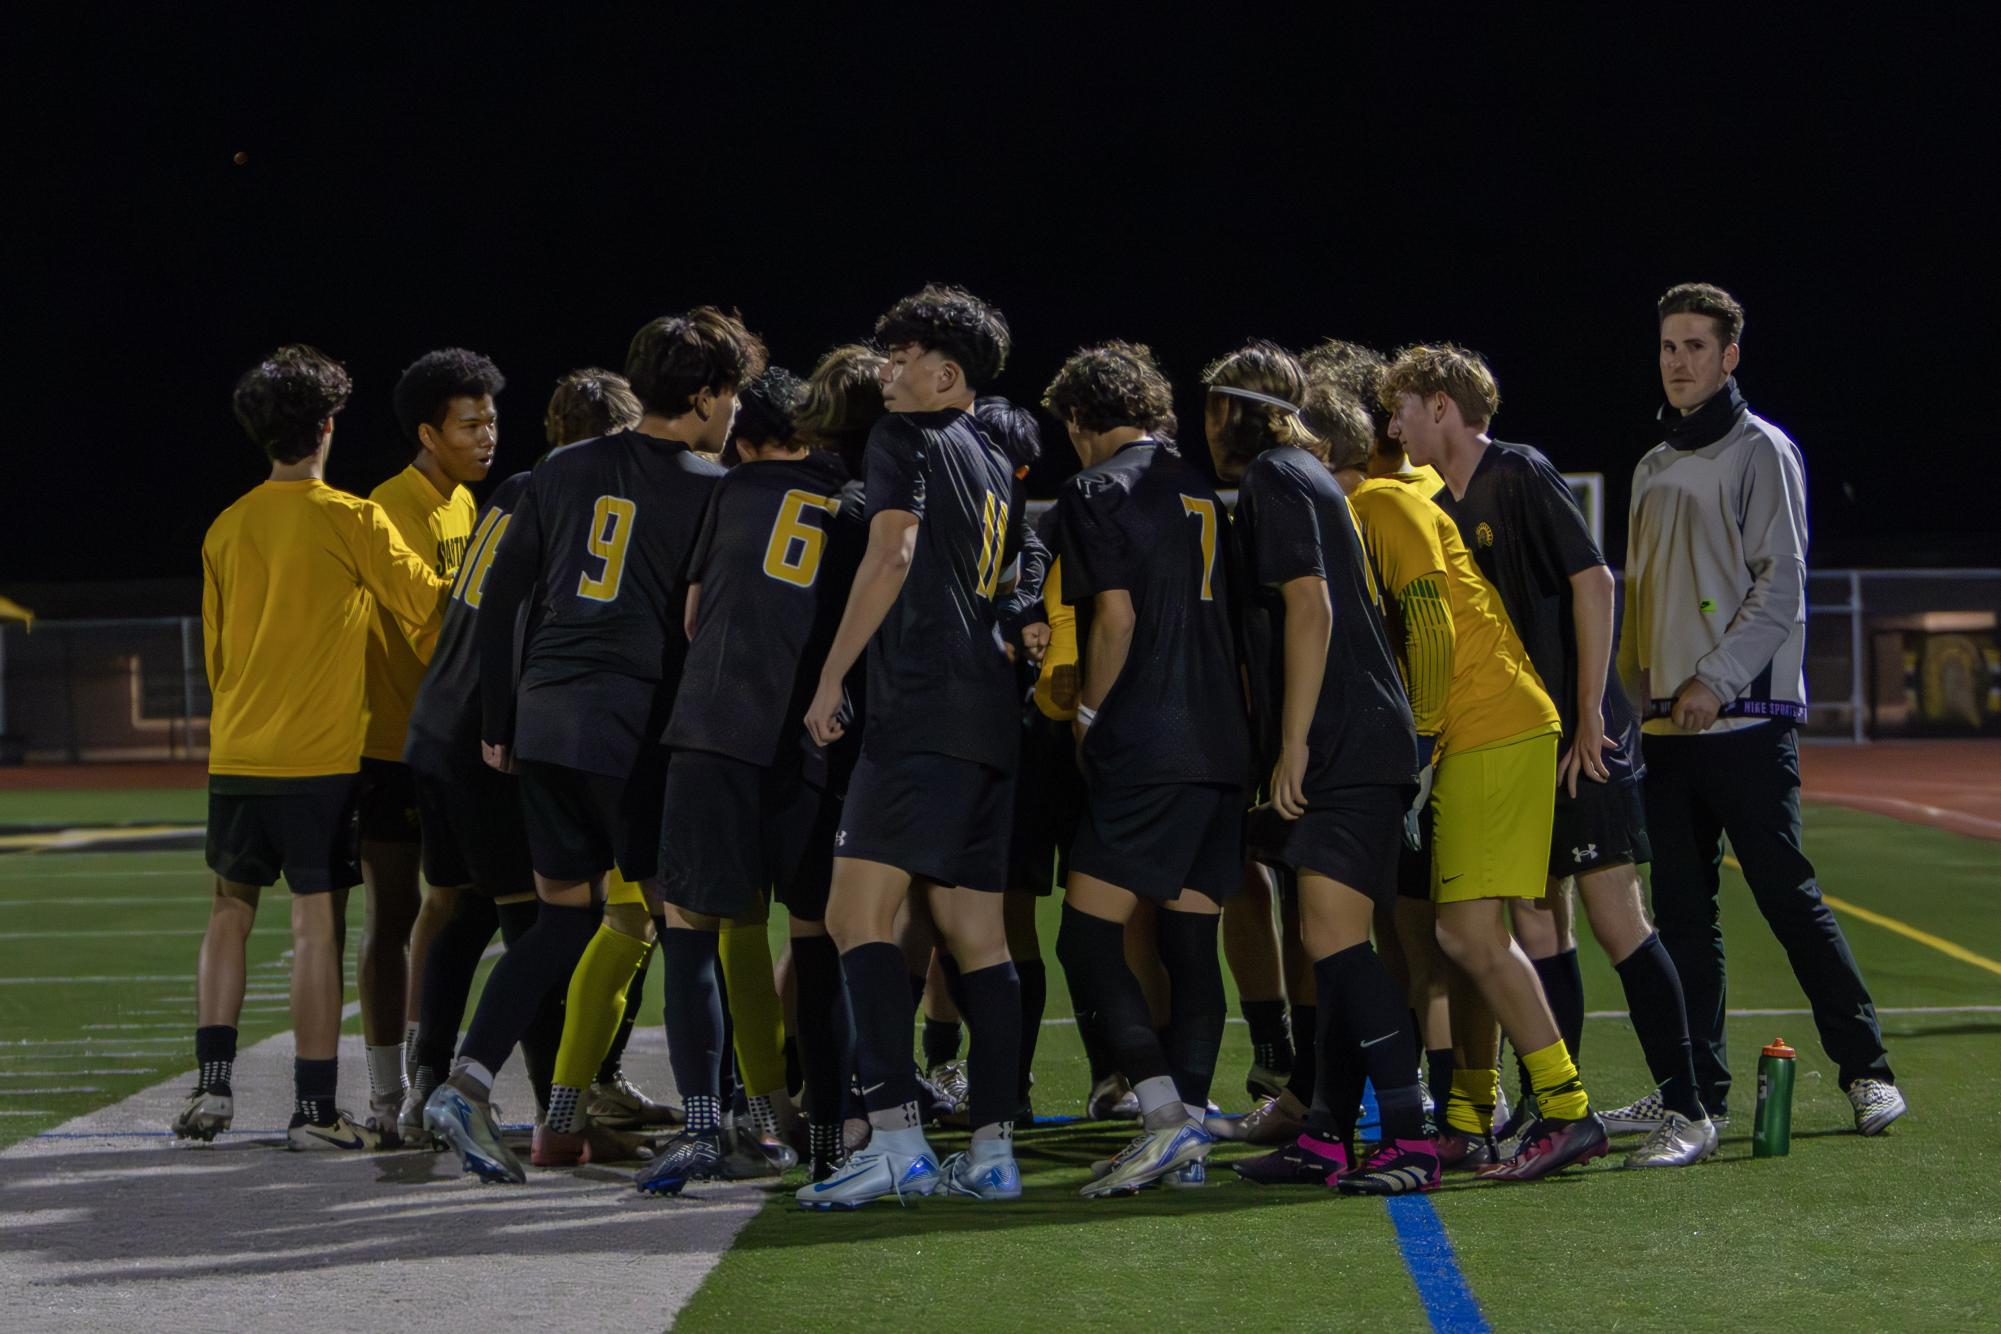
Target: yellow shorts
x,y
620,890
1491,811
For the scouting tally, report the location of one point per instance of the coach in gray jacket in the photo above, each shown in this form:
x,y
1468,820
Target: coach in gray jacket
x,y
1714,648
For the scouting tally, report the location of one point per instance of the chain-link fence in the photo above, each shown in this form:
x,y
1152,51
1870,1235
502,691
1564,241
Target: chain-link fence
x,y
1889,653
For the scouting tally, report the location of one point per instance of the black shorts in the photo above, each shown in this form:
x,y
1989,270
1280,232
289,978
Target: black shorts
x,y
938,817
1155,841
1604,825
733,832
388,802
1351,834
302,828
1414,864
473,832
581,824
1048,802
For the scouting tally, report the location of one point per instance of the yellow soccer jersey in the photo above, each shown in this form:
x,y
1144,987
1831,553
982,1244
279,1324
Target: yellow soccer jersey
x,y
1062,651
292,575
438,528
1494,693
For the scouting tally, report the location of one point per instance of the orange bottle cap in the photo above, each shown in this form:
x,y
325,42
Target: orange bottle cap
x,y
1779,1048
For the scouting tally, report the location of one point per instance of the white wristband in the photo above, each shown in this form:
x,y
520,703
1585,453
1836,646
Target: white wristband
x,y
1086,714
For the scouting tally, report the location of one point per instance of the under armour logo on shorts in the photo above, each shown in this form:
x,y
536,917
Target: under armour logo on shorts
x,y
841,838
1584,854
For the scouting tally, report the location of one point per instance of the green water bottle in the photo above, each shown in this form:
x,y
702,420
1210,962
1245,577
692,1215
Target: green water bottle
x,y
1772,1132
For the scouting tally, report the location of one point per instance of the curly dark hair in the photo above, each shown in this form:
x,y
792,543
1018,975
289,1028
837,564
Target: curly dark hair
x,y
433,380
953,323
1012,428
675,357
1112,385
766,408
1354,370
842,400
1252,427
281,401
589,403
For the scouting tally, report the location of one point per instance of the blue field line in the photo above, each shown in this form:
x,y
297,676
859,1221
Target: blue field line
x,y
1427,1253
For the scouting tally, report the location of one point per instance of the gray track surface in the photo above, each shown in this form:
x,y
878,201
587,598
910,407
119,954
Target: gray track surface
x,y
102,1229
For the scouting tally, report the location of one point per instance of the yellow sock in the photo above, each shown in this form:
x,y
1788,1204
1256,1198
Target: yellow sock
x,y
1470,1110
758,1018
1559,1092
596,1004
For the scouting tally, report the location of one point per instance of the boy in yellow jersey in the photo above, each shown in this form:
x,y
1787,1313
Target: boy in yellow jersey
x,y
1487,732
444,403
293,574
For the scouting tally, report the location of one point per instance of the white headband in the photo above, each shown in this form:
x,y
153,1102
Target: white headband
x,y
1254,396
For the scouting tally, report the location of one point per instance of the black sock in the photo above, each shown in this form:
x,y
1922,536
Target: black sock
x,y
1375,1020
448,973
1079,978
694,1013
948,968
614,1058
1093,950
1563,984
1187,944
879,995
826,1031
1660,1018
516,919
1034,975
992,997
314,1083
1337,1090
215,1058
1438,1074
1271,1043
1305,1052
941,1041
539,961
540,1042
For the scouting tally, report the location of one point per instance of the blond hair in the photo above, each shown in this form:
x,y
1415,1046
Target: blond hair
x,y
1444,368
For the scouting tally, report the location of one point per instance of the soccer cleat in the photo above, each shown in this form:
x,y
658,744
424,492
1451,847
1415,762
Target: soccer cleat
x,y
1306,1161
689,1156
555,1148
205,1116
1459,1151
623,1105
1877,1103
981,1179
936,1105
746,1157
1550,1145
950,1079
384,1117
1278,1120
1397,1167
410,1120
468,1129
1265,1082
1678,1143
1518,1120
342,1134
1642,1117
870,1175
1111,1099
1152,1155
1189,1176
777,1121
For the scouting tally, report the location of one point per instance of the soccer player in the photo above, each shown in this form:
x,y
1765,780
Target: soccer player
x,y
1162,742
444,403
1715,648
604,528
292,574
1517,516
929,802
747,808
1487,736
1343,763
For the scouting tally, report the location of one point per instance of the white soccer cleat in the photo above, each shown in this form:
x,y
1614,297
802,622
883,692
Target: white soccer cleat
x,y
623,1105
385,1117
981,1179
1876,1105
343,1135
870,1175
204,1116
1677,1142
1153,1154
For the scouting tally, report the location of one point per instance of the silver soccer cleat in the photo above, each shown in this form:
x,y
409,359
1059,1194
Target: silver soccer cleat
x,y
1677,1142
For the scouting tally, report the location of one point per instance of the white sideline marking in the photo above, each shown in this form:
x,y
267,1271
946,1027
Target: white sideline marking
x,y
29,1093
138,1233
1787,1014
82,979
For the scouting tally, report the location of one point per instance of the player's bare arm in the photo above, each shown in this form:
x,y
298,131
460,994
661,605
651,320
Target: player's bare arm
x,y
892,543
1309,622
1591,609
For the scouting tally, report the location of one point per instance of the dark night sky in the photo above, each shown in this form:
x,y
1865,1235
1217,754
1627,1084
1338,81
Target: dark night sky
x,y
536,187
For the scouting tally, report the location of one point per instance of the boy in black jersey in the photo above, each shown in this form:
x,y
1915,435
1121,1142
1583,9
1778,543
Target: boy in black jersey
x,y
604,528
1343,764
747,807
1518,518
1163,744
929,801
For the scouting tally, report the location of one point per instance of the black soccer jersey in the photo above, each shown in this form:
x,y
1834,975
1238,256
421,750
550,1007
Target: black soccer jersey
x,y
1146,522
775,558
1292,521
446,714
1523,526
604,527
938,677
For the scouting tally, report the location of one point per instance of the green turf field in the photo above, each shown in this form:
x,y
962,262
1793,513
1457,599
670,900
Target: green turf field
x,y
1904,1231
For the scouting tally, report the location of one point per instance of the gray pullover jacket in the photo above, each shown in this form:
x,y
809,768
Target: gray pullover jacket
x,y
1716,570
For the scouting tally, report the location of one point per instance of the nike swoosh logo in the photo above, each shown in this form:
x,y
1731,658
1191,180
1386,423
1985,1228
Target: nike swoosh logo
x,y
1384,1038
1450,878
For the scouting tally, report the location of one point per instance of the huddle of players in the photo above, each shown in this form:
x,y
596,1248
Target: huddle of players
x,y
652,632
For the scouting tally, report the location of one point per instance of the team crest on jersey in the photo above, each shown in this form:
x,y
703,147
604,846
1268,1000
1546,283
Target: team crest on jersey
x,y
1484,534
